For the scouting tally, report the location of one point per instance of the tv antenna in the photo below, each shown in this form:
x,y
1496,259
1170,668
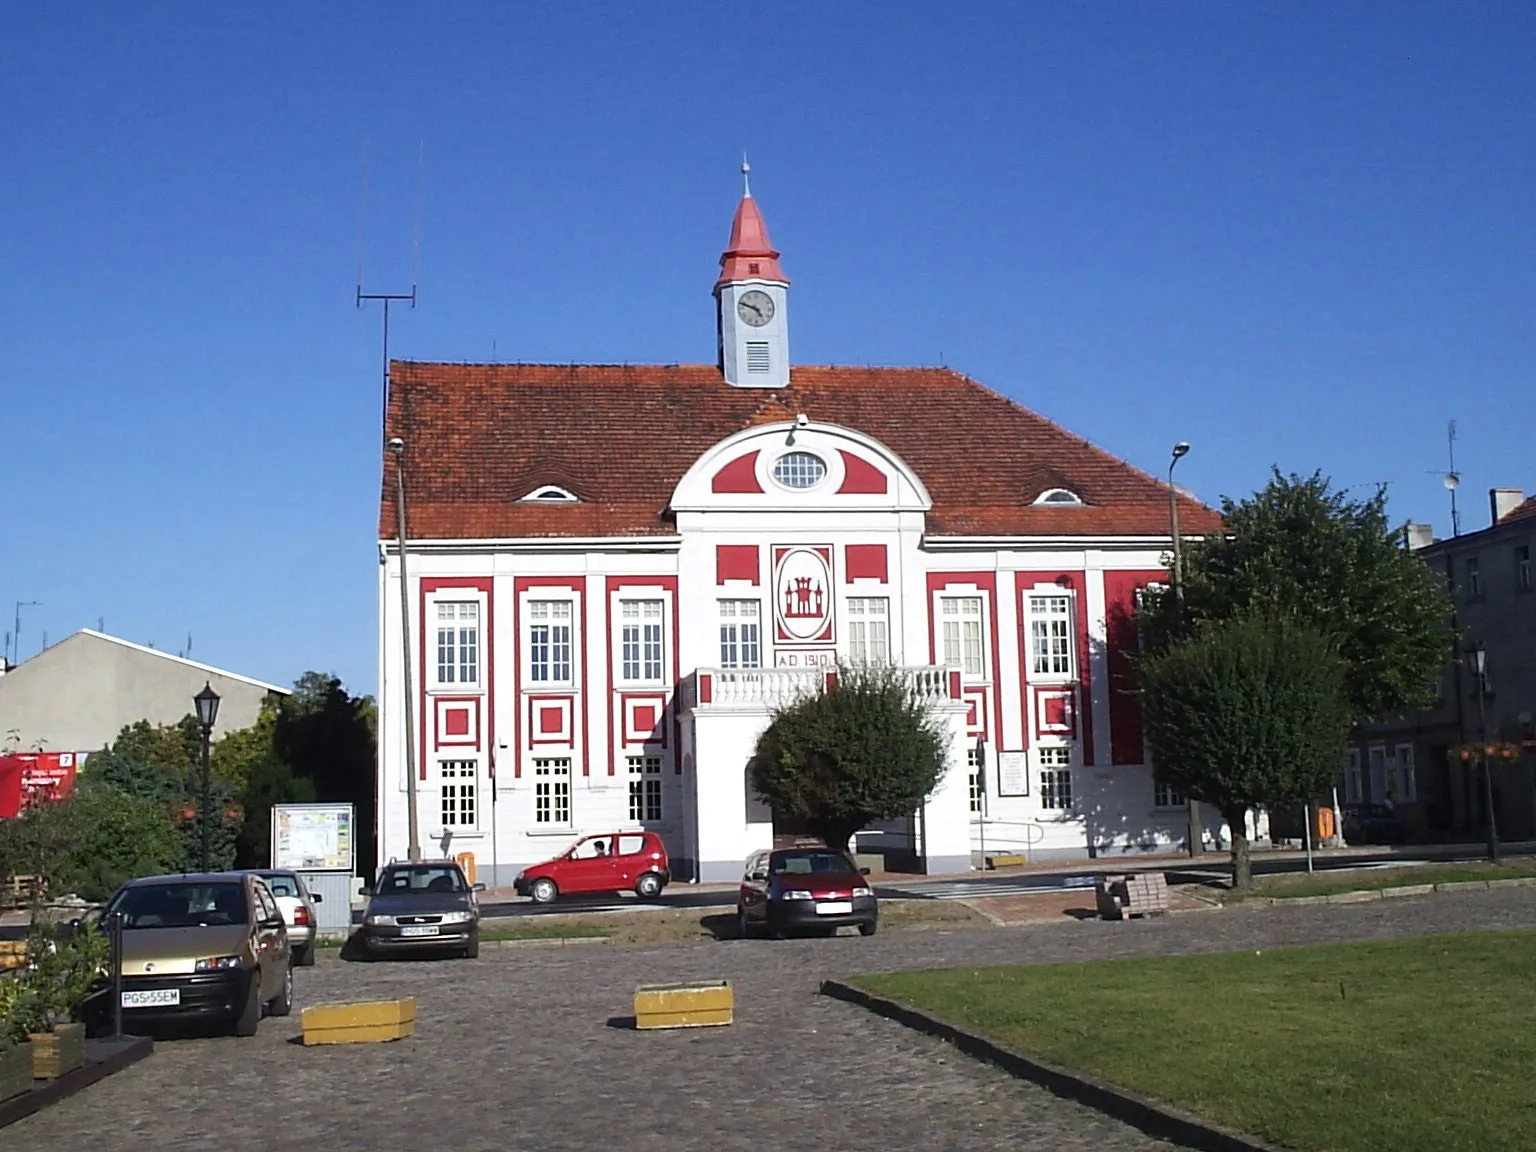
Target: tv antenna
x,y
16,630
389,298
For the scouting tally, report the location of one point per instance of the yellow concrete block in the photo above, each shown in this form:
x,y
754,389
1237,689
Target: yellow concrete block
x,y
697,1005
365,1034
1006,861
364,1014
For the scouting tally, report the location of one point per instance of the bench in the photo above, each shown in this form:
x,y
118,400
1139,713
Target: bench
x,y
1140,894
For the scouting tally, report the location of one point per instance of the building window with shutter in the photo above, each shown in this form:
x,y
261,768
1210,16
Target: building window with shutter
x,y
640,641
552,791
645,789
739,641
1050,636
960,619
549,641
458,643
1055,778
869,630
458,795
758,359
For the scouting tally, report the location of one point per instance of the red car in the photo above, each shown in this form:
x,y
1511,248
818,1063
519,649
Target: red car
x,y
611,862
804,888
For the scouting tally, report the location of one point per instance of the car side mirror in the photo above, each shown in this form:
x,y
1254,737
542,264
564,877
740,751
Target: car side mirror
x,y
759,875
316,897
477,887
272,922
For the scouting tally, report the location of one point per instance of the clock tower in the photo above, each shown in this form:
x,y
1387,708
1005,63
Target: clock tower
x,y
751,299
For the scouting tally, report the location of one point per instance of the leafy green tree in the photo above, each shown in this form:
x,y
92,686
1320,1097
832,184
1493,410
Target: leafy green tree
x,y
1246,712
234,754
869,749
1300,549
268,781
174,747
329,737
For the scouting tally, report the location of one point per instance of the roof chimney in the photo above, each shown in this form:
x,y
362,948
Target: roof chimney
x,y
1503,501
1420,536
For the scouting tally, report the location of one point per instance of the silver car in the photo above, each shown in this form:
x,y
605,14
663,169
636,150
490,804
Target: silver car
x,y
297,904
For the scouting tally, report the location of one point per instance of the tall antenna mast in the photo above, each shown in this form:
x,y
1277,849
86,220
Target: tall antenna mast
x,y
389,298
1452,477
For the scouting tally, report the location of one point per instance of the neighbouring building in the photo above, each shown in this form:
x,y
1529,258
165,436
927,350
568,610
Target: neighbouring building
x,y
616,572
75,696
1408,759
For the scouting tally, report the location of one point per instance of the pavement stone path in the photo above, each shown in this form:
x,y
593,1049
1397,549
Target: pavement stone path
x,y
516,1051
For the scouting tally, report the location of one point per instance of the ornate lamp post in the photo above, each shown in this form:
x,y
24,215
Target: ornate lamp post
x,y
207,704
1180,450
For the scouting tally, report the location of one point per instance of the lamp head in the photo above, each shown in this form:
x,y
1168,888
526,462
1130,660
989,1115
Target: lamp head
x,y
396,445
207,705
1451,480
1181,449
1479,659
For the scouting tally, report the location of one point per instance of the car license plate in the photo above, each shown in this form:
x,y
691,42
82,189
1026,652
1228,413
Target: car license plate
x,y
419,930
834,908
153,998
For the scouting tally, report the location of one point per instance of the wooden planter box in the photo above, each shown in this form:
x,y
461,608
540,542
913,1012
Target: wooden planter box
x,y
57,1052
15,1070
684,1005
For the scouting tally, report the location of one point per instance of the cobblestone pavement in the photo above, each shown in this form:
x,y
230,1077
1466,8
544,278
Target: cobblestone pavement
x,y
515,1051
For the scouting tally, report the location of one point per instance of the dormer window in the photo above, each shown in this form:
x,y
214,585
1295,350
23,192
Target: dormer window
x,y
1059,498
553,494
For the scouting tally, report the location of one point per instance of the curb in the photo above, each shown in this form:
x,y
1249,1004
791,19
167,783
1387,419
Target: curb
x,y
1364,895
1150,1116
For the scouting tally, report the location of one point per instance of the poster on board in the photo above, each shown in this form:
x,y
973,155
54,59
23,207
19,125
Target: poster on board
x,y
312,837
1013,773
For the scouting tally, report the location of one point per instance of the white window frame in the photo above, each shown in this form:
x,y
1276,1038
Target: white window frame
x,y
1055,767
953,611
869,629
642,640
1473,567
1354,776
1165,795
737,618
646,795
1052,650
543,619
551,792
459,796
1522,568
973,782
1402,778
451,639
1375,754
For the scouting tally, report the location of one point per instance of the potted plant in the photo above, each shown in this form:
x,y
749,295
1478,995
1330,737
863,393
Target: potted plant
x,y
15,1053
61,970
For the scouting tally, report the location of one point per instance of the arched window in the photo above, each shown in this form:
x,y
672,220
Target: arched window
x,y
553,494
1059,497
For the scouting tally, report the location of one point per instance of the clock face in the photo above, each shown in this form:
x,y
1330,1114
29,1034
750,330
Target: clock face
x,y
755,308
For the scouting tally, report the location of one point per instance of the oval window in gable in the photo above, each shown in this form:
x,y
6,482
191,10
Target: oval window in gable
x,y
799,470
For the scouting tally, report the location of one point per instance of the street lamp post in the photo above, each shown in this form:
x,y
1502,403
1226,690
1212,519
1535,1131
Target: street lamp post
x,y
207,704
1180,450
413,848
1479,678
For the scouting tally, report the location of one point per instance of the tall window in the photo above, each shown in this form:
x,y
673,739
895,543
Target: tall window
x,y
458,643
458,794
739,646
1376,771
1055,778
1474,578
1402,782
641,640
1523,567
961,620
1354,791
645,789
868,630
549,641
973,779
1050,635
552,791
1165,795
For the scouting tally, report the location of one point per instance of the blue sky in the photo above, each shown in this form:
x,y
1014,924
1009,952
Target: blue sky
x,y
1289,233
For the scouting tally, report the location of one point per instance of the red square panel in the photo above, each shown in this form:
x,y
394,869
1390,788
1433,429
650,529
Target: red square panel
x,y
644,719
456,721
865,562
1057,712
550,719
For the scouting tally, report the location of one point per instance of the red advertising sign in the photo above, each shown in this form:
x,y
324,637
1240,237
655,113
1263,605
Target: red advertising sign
x,y
28,778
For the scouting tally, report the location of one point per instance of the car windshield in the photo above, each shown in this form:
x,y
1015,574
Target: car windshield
x,y
280,884
805,863
180,905
420,878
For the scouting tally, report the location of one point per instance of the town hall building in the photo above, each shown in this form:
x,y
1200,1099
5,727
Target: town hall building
x,y
616,573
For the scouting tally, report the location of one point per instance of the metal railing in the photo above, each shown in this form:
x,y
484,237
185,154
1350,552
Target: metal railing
x,y
1005,836
775,687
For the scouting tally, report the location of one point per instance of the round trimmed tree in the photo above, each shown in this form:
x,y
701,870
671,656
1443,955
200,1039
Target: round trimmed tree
x,y
868,749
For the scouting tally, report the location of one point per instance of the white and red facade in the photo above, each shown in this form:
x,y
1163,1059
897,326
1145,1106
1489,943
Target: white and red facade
x,y
615,573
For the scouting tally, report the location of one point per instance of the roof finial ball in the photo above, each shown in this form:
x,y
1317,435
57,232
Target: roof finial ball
x,y
746,177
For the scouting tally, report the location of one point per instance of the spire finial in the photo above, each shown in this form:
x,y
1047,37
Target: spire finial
x,y
746,177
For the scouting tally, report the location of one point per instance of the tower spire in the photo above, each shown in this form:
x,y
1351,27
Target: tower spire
x,y
746,178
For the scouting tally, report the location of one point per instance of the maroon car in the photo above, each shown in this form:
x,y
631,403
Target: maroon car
x,y
610,862
800,888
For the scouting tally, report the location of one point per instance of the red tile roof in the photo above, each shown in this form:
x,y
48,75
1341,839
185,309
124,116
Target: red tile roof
x,y
1525,511
481,436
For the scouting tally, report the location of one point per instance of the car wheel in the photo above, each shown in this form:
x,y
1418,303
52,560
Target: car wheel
x,y
543,890
472,949
867,928
282,1003
745,929
305,957
250,1018
648,887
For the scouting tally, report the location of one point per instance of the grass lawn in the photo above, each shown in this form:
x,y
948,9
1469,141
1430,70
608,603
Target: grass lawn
x,y
1423,1045
547,930
1294,884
